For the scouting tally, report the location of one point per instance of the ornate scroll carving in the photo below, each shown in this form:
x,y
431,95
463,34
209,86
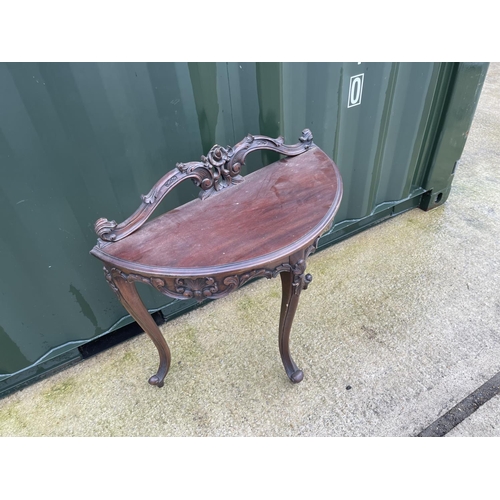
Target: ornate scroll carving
x,y
212,173
216,171
197,288
210,287
190,288
300,279
111,231
109,279
254,142
104,229
221,167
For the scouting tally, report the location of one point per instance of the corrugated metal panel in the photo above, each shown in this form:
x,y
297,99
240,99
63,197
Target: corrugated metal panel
x,y
377,144
82,141
78,141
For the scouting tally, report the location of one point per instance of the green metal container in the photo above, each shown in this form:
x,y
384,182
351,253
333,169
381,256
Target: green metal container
x,y
83,141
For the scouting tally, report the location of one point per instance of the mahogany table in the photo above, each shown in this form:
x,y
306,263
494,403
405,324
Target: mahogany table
x,y
264,224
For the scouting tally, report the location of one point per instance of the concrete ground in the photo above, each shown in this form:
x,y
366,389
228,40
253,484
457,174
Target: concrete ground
x,y
400,324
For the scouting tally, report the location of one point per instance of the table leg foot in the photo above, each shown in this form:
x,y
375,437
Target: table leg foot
x,y
297,376
156,380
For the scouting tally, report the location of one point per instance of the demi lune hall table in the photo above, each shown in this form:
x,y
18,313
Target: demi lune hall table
x,y
261,225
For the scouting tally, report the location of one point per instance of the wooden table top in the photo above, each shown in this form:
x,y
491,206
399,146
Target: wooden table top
x,y
269,215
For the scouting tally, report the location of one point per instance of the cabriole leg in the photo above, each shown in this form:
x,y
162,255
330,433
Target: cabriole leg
x,y
292,284
131,301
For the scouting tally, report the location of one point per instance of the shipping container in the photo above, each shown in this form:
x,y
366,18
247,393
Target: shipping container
x,y
79,141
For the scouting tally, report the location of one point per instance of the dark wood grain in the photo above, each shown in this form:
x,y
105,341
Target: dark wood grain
x,y
218,170
276,208
262,227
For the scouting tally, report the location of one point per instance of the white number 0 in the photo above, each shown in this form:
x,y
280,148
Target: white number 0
x,y
355,90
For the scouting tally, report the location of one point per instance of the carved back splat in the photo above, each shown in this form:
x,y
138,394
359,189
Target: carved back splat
x,y
218,170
